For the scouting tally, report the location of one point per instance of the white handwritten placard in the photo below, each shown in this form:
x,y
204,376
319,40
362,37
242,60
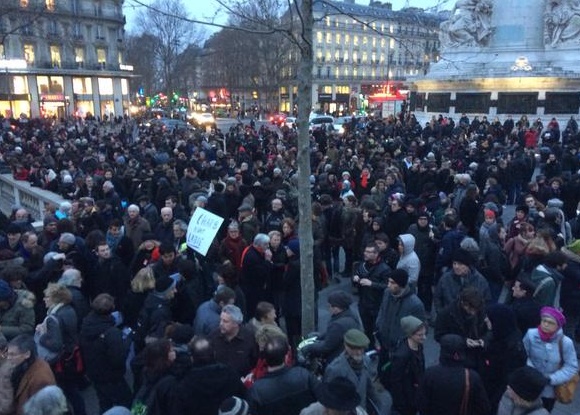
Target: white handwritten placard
x,y
203,227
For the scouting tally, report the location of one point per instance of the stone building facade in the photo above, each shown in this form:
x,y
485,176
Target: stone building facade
x,y
62,58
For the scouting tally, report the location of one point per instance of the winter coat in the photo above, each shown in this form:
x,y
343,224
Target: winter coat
x,y
231,249
454,320
19,318
157,315
255,281
204,388
442,388
570,292
515,249
406,371
507,406
450,285
363,379
409,261
547,282
106,350
393,308
283,392
527,311
36,377
425,249
6,388
292,299
331,343
545,356
207,318
370,297
109,276
136,229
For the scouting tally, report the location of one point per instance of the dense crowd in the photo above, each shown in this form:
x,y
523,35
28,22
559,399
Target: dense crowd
x,y
412,215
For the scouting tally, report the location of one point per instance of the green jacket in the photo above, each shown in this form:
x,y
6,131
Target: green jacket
x,y
18,319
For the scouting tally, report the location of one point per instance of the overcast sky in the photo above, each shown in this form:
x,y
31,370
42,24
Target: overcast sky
x,y
204,10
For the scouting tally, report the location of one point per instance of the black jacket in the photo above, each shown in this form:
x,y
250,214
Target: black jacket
x,y
331,344
442,388
407,369
370,297
283,392
203,388
104,349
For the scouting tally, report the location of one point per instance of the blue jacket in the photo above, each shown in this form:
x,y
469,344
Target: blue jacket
x,y
545,356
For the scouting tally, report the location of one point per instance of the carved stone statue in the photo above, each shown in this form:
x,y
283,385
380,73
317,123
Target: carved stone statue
x,y
562,21
469,24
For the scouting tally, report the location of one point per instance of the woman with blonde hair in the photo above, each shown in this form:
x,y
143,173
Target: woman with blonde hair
x,y
264,334
141,285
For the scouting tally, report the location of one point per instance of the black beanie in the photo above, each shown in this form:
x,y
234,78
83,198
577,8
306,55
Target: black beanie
x,y
527,382
463,257
400,276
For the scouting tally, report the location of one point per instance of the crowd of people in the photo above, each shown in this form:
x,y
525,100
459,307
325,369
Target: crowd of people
x,y
108,293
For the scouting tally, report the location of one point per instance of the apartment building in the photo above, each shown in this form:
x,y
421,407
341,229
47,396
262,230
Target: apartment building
x,y
62,58
363,54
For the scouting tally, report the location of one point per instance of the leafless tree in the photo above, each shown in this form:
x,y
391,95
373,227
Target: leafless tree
x,y
166,20
140,54
17,20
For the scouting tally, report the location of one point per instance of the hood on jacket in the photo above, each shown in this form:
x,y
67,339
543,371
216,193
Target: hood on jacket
x,y
25,298
408,242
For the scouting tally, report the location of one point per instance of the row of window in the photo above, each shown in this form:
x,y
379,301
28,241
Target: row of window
x,y
77,31
51,6
55,85
56,54
350,24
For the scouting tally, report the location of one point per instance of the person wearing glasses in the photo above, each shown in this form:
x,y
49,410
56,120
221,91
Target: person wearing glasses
x,y
31,373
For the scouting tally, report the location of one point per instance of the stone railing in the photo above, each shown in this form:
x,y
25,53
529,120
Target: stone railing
x,y
21,193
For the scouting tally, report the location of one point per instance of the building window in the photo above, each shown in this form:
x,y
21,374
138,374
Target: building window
x,y
355,40
100,32
29,53
319,37
52,28
77,30
55,56
346,56
82,86
80,56
327,20
364,57
50,5
328,38
101,56
20,85
120,58
124,87
2,55
365,40
347,39
106,86
50,85
337,38
319,71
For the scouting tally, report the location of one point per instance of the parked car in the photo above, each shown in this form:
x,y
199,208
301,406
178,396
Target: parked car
x,y
322,121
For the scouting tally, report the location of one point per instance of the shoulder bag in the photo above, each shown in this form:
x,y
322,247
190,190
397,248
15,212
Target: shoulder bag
x,y
565,391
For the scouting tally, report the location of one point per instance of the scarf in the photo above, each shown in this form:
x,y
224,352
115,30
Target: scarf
x,y
364,180
546,337
356,366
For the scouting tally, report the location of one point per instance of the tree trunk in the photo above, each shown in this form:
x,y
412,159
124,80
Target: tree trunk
x,y
309,306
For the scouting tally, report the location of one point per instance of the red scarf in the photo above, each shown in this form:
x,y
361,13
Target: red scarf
x,y
546,337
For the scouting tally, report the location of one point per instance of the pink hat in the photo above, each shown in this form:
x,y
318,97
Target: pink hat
x,y
555,314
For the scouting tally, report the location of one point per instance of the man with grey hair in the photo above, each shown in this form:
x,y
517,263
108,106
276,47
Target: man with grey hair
x,y
73,280
233,343
256,269
50,400
135,226
164,230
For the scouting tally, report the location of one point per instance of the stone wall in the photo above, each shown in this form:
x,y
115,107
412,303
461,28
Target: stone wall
x,y
21,193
